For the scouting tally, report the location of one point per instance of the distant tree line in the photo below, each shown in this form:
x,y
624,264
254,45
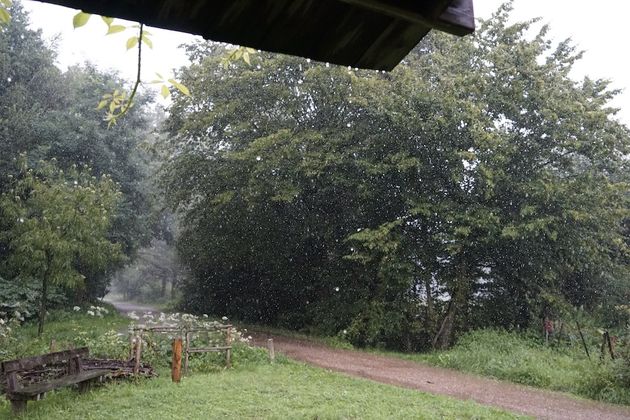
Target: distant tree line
x,y
476,185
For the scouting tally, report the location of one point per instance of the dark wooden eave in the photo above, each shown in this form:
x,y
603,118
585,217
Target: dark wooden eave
x,y
375,34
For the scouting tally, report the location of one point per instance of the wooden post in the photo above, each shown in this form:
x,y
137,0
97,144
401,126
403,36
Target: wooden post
x,y
228,352
176,367
138,354
583,341
611,345
53,345
132,345
272,353
186,352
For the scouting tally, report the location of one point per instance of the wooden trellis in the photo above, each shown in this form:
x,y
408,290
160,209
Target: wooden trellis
x,y
187,334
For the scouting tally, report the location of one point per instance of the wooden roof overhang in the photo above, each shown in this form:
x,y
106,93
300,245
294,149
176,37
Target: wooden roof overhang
x,y
374,34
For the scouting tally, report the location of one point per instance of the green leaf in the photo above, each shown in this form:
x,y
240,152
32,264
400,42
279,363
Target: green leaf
x,y
80,19
165,92
6,3
183,89
246,58
102,104
108,20
132,42
114,29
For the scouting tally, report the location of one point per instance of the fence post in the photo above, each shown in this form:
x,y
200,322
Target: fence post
x,y
272,353
186,350
228,352
176,367
138,354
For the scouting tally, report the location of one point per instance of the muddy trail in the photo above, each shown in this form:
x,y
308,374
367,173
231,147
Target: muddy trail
x,y
434,380
390,370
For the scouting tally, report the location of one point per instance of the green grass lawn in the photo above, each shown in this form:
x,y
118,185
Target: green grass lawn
x,y
252,389
281,391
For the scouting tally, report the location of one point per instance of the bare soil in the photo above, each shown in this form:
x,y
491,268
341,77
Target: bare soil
x,y
390,370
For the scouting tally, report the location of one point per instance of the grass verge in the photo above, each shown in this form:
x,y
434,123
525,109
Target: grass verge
x,y
287,390
517,358
252,389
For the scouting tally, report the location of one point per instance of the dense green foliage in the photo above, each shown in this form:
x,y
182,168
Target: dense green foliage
x,y
475,185
50,117
55,227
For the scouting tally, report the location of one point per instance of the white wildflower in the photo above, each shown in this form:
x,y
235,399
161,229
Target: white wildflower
x,y
91,313
76,308
225,318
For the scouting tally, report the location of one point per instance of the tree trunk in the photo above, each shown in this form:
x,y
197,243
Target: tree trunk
x,y
44,296
442,339
174,283
459,300
430,312
163,288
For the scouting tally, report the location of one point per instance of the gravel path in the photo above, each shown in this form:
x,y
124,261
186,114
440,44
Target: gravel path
x,y
517,398
390,370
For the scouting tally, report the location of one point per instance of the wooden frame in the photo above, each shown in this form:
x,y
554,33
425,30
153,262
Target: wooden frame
x,y
185,333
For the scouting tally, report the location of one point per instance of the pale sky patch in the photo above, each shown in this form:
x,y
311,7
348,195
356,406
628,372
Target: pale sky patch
x,y
600,31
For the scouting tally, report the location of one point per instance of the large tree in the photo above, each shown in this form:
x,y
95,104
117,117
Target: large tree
x,y
458,190
50,114
55,225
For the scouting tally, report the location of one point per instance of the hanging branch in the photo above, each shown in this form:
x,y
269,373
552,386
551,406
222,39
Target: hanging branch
x,y
138,80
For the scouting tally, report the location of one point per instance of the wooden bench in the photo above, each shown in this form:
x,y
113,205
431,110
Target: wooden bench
x,y
68,363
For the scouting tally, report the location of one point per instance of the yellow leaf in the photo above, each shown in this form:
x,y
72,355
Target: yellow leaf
x,y
165,92
108,20
5,17
80,19
147,41
183,89
132,42
114,29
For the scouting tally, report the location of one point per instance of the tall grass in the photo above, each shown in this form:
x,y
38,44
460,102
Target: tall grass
x,y
525,360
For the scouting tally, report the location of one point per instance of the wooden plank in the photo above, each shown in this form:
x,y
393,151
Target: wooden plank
x,y
209,349
337,31
43,387
28,363
456,19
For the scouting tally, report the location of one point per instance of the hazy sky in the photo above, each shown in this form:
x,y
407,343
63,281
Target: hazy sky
x,y
601,31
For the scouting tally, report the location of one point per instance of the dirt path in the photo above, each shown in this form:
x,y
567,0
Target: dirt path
x,y
126,307
389,370
434,380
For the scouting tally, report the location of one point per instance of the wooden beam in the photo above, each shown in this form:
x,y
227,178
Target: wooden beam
x,y
452,20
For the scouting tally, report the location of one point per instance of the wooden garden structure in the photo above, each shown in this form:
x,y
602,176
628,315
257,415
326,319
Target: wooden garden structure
x,y
52,371
374,34
187,334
